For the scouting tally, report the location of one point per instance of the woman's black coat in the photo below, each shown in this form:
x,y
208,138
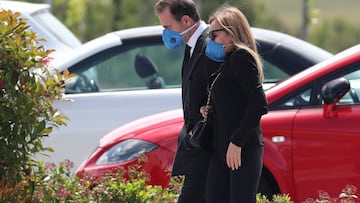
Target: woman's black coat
x,y
238,102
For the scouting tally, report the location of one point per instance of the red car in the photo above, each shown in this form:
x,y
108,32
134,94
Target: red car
x,y
312,134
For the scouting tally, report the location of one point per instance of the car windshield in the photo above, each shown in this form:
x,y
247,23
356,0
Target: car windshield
x,y
55,27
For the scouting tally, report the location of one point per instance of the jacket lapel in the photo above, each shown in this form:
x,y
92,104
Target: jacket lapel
x,y
197,54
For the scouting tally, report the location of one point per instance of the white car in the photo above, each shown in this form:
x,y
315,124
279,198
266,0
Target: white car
x,y
129,74
45,24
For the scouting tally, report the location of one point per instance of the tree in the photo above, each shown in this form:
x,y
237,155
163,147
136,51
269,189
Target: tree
x,y
337,30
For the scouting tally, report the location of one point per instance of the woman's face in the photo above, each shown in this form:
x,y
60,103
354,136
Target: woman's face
x,y
221,36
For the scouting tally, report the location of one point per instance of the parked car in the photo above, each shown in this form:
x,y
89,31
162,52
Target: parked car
x,y
311,132
45,24
129,74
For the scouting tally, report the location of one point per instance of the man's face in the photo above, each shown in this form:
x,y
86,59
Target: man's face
x,y
168,21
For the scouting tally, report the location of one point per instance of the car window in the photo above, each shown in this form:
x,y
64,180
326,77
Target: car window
x,y
352,97
298,100
115,69
352,73
308,98
272,73
128,67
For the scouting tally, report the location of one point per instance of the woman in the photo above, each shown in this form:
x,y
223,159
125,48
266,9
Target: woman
x,y
238,102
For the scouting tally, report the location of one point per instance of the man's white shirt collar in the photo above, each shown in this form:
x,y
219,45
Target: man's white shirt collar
x,y
194,37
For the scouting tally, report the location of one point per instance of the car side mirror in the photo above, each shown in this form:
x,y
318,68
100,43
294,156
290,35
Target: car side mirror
x,y
147,70
144,67
332,92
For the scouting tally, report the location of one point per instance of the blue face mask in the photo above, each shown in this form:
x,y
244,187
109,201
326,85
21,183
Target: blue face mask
x,y
174,39
215,51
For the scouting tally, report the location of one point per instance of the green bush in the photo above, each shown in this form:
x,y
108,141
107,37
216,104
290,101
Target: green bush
x,y
347,195
27,91
55,183
329,33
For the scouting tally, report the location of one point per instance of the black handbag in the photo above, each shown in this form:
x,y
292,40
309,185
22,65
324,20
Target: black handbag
x,y
200,132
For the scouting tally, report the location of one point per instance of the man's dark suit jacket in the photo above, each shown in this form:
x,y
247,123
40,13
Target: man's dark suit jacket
x,y
195,77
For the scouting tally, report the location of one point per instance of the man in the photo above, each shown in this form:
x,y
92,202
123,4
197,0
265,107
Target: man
x,y
183,25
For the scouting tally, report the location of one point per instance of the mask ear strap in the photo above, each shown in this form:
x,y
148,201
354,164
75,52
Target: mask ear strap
x,y
187,30
226,45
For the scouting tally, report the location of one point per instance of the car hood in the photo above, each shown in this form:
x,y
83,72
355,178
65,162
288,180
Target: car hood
x,y
139,128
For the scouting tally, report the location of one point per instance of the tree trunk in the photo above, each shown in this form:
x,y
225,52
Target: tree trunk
x,y
305,20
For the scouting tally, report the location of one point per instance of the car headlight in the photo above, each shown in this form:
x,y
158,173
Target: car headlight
x,y
126,151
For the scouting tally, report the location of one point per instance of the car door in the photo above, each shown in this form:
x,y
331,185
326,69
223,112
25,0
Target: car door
x,y
325,150
109,91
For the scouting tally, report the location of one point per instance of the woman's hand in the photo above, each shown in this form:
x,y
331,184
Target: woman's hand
x,y
233,156
204,110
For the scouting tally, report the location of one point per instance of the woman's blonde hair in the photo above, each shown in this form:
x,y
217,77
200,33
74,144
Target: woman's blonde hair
x,y
235,23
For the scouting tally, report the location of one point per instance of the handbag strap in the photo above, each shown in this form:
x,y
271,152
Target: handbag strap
x,y
218,73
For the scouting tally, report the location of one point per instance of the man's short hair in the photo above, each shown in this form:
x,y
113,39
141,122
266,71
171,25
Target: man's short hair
x,y
179,8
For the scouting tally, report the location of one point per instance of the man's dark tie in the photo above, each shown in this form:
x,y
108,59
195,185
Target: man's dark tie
x,y
186,56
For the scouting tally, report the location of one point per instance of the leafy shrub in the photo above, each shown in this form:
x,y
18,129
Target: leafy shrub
x,y
347,195
325,34
279,198
55,183
27,91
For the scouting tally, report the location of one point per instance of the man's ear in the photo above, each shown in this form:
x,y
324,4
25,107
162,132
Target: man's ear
x,y
186,19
